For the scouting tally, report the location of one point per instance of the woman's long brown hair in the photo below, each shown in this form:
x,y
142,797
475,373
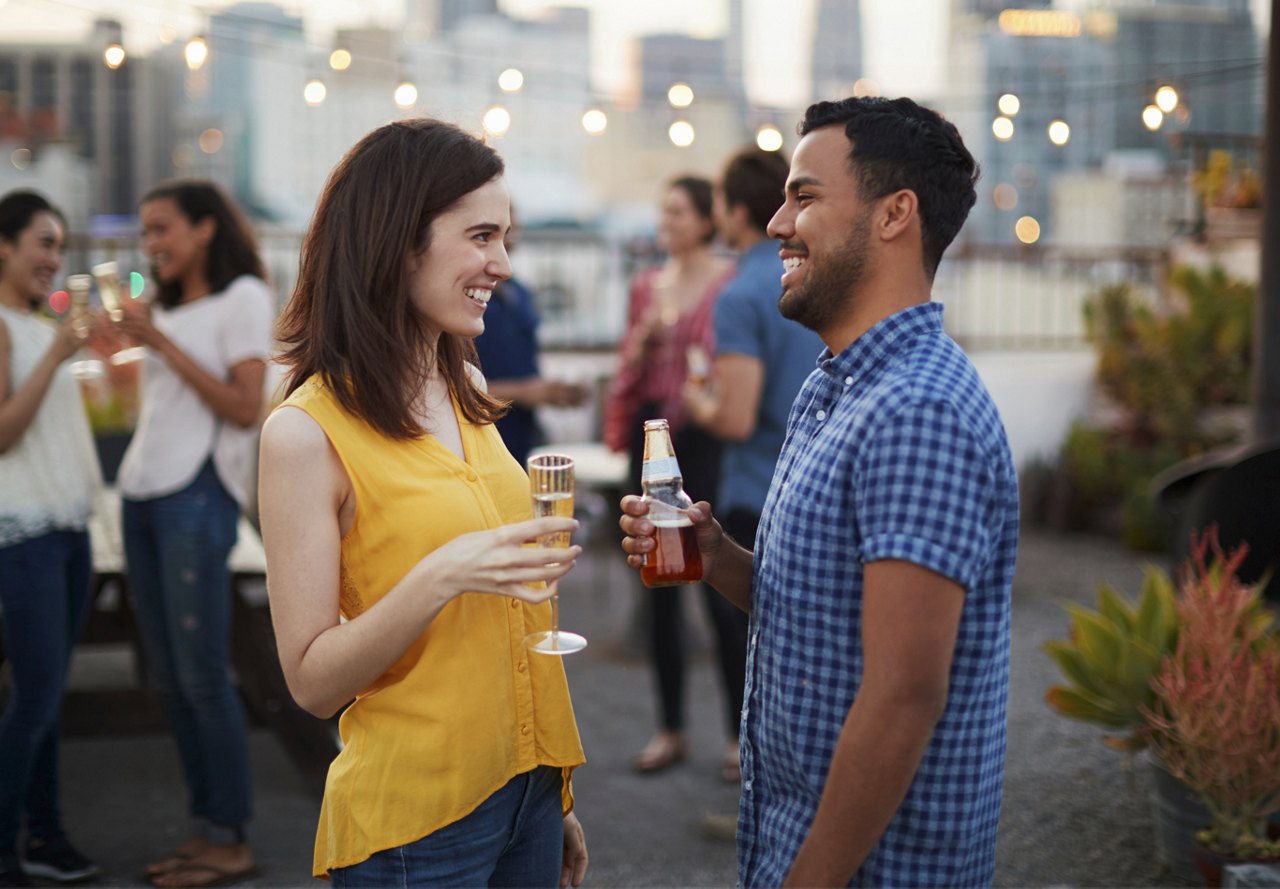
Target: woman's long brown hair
x,y
232,252
351,319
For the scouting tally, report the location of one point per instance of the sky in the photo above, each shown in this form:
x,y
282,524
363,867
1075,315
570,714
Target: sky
x,y
903,40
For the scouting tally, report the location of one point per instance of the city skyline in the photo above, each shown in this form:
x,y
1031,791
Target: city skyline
x,y
904,45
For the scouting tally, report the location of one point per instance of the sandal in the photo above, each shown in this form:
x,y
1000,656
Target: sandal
x,y
193,875
664,750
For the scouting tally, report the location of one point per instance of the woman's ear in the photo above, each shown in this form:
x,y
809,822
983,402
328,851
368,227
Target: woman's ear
x,y
205,230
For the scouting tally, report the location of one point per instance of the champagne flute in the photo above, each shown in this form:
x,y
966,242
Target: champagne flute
x,y
551,483
109,291
78,290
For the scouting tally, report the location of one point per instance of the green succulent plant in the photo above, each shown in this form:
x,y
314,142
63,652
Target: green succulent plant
x,y
1110,656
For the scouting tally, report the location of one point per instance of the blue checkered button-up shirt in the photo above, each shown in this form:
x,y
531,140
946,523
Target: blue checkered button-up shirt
x,y
894,451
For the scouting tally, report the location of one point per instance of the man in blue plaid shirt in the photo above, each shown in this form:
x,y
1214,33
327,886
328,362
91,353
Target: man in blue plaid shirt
x,y
873,731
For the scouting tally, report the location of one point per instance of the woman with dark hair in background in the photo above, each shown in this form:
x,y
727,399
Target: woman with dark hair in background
x,y
395,520
48,476
183,482
669,321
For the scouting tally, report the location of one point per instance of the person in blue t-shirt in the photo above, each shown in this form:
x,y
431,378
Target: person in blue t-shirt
x,y
761,360
508,352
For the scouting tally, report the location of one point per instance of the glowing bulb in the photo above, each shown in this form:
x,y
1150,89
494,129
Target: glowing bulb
x,y
511,80
113,56
1152,118
1002,128
1005,196
681,134
1166,98
594,121
497,120
314,92
680,95
196,52
340,60
210,141
768,138
1009,104
406,95
1059,132
1027,230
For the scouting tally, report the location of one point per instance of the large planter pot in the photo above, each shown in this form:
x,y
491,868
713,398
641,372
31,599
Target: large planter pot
x,y
1177,816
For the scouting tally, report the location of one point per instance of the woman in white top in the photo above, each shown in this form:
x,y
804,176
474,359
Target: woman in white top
x,y
48,477
182,480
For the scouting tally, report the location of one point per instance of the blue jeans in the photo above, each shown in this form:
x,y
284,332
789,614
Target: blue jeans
x,y
44,590
514,838
176,548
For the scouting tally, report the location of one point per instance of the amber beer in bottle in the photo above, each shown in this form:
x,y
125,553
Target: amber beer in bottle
x,y
675,559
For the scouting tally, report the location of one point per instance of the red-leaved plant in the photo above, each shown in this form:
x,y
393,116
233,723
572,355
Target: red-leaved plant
x,y
1216,720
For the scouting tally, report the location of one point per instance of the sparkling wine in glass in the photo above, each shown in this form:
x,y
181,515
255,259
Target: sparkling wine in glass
x,y
83,368
110,292
551,483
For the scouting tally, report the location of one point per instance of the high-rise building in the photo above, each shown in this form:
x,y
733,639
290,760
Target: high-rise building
x,y
63,94
1090,75
666,59
837,49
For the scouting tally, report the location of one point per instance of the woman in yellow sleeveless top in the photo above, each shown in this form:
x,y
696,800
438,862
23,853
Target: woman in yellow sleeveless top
x,y
395,524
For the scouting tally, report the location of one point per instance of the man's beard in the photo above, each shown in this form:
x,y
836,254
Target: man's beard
x,y
822,298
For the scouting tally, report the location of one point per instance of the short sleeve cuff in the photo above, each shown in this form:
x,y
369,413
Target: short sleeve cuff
x,y
919,551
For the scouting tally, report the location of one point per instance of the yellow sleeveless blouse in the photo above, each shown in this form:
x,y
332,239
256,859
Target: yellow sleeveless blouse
x,y
466,708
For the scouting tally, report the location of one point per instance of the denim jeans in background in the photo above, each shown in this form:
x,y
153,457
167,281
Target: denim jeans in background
x,y
176,549
44,591
514,838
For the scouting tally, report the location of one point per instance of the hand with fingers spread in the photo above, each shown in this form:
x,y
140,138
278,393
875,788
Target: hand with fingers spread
x,y
498,561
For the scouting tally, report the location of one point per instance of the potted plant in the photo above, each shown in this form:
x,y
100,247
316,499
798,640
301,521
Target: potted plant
x,y
1215,720
1110,657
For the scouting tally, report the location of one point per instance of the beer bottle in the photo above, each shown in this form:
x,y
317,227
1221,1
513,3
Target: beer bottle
x,y
675,559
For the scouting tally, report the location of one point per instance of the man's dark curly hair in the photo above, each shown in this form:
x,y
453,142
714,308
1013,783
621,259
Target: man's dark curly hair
x,y
897,144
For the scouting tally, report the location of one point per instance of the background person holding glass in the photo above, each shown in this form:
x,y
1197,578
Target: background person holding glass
x,y
207,332
48,479
395,523
669,319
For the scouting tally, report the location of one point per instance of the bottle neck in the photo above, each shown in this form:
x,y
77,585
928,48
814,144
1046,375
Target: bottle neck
x,y
660,469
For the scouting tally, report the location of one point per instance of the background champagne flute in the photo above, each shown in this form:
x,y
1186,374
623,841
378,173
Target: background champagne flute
x,y
551,482
108,279
83,368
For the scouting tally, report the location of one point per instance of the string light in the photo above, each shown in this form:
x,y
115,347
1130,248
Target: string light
x,y
681,134
594,121
314,92
195,53
768,138
113,56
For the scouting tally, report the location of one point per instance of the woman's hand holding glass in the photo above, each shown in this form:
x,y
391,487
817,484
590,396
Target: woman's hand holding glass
x,y
498,561
124,308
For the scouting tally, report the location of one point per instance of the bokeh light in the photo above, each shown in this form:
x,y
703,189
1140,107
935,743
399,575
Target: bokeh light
x,y
210,140
195,53
496,121
1059,132
1005,196
340,59
769,138
1166,98
1152,118
21,158
680,95
1009,104
511,80
1002,128
314,93
594,121
1027,229
681,134
406,95
113,56
59,301
137,284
